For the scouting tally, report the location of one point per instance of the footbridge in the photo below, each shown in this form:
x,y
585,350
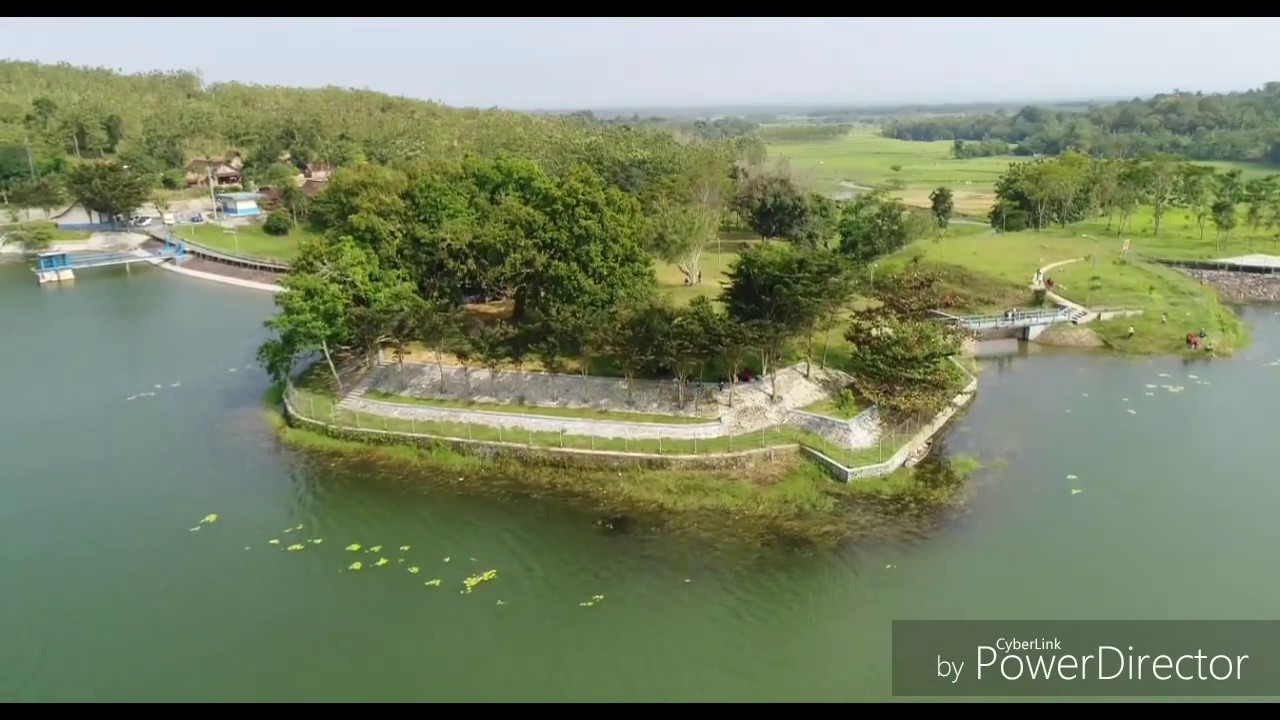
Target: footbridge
x,y
1031,322
61,266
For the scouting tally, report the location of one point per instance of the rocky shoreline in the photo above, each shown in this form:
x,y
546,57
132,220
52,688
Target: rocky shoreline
x,y
1240,286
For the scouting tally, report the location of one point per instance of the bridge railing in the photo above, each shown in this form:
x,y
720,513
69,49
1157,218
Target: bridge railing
x,y
1035,317
194,247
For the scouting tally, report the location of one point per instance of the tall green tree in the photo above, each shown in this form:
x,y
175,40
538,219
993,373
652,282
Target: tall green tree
x,y
109,188
941,204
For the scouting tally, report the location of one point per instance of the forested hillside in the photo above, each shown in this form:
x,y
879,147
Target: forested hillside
x,y
52,116
1234,126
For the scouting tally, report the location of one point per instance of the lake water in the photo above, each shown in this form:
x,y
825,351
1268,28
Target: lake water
x,y
108,596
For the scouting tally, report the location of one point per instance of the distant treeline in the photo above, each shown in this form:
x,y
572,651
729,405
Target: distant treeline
x,y
884,114
724,128
1234,126
802,133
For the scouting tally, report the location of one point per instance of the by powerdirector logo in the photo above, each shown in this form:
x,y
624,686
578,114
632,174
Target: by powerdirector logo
x,y
1086,658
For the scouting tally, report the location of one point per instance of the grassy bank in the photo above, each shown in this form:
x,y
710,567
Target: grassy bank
x,y
246,239
790,499
1011,259
1180,238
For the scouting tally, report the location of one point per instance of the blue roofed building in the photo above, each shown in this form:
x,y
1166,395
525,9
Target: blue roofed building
x,y
239,204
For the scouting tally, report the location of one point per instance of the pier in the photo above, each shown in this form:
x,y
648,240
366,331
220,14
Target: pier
x,y
61,266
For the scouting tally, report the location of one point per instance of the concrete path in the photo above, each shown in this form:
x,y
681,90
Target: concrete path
x,y
1079,313
173,267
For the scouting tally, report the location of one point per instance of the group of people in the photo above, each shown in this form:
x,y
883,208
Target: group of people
x,y
1040,281
744,376
1193,341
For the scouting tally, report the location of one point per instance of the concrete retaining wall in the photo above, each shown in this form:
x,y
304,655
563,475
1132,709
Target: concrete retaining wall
x,y
540,423
917,442
565,457
912,446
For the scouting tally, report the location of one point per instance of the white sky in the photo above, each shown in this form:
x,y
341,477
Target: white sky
x,y
574,63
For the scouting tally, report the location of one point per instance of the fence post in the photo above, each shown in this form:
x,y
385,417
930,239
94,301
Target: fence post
x,y
384,422
593,442
561,437
357,419
659,444
530,438
730,442
469,431
695,444
499,431
313,406
413,425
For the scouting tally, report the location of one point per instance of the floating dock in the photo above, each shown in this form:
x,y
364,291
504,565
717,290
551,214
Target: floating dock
x,y
61,266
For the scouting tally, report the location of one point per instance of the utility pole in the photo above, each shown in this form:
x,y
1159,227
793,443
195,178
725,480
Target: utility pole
x,y
212,197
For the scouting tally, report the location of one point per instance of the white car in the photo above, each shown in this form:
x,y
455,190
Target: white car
x,y
141,221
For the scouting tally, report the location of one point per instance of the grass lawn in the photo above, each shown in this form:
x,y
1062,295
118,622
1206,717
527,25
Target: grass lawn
x,y
715,261
246,240
830,407
1012,259
541,410
865,157
1179,237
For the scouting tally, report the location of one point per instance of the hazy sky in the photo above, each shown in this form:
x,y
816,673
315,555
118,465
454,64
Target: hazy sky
x,y
579,62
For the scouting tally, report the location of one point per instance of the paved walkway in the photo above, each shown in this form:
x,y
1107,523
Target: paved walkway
x,y
1079,313
173,267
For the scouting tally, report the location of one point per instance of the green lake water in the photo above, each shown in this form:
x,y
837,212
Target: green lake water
x,y
106,594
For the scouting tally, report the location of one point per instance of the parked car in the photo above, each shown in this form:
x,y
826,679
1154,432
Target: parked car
x,y
140,221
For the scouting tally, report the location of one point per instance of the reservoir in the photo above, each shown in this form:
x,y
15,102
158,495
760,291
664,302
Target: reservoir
x,y
132,409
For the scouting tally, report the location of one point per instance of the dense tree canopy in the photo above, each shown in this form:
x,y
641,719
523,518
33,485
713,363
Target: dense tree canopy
x,y
53,117
1072,187
901,357
1199,126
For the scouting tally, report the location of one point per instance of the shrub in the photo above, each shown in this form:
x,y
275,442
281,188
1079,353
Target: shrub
x,y
277,224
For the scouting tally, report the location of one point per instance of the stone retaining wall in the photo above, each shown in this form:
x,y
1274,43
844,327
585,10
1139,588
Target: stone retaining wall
x,y
917,442
861,431
565,457
540,423
422,380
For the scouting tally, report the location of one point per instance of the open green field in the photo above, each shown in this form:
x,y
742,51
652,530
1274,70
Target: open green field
x,y
1011,259
246,239
864,157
